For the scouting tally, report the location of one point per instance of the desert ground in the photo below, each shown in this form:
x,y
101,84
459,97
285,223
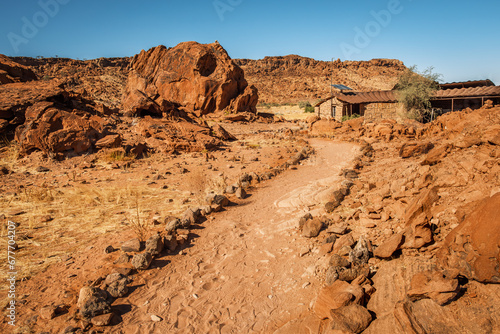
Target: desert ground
x,y
139,207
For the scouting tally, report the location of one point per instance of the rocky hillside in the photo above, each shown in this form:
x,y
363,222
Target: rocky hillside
x,y
101,80
294,78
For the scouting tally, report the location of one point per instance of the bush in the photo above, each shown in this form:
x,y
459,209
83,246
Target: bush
x,y
414,91
309,109
346,118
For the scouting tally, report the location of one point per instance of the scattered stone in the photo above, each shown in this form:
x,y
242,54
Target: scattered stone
x,y
155,318
132,245
303,219
109,141
409,150
116,285
339,294
351,319
41,169
361,252
192,215
345,240
47,312
340,230
388,247
240,193
154,244
142,261
93,302
330,239
102,320
230,189
172,224
170,243
109,249
312,228
433,285
338,261
124,258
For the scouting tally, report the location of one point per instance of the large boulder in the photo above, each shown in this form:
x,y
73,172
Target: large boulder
x,y
50,129
198,78
474,246
10,71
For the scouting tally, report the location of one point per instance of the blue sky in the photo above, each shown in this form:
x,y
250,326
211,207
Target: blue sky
x,y
458,38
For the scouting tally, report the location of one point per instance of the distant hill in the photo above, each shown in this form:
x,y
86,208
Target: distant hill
x,y
294,78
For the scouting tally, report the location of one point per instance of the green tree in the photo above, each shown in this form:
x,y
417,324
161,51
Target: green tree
x,y
415,90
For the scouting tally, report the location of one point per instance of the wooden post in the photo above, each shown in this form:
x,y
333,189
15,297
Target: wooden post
x,y
452,104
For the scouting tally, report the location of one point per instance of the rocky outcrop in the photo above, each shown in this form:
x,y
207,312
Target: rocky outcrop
x,y
51,129
199,78
309,79
474,246
10,71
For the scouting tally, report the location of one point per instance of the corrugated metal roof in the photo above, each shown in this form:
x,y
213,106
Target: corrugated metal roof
x,y
467,84
390,95
367,97
468,92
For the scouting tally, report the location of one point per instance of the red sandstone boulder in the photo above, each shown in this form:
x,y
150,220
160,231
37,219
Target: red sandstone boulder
x,y
16,97
414,149
10,71
200,77
474,246
50,129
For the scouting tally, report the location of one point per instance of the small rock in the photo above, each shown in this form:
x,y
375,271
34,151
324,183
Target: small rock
x,y
303,219
345,240
240,193
132,245
340,230
391,245
230,189
41,169
116,285
338,261
155,318
154,244
351,319
93,302
337,295
170,242
361,252
172,224
312,228
124,258
344,250
102,320
142,261
109,249
47,312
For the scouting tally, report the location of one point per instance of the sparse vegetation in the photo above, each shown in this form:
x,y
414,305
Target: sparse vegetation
x,y
353,116
414,91
306,105
138,225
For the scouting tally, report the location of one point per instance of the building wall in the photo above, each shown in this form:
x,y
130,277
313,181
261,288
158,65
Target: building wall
x,y
324,110
386,110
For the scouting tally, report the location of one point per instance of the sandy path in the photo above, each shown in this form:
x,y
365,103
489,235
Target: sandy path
x,y
243,274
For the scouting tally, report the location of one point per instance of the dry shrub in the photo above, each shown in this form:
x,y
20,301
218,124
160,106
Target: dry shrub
x,y
139,226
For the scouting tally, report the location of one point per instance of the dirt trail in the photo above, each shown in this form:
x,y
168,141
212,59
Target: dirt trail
x,y
243,273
